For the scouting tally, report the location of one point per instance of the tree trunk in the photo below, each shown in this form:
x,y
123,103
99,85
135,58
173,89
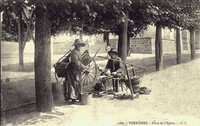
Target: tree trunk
x,y
192,44
81,32
158,47
178,46
128,46
197,39
122,40
3,118
20,40
44,97
1,13
106,38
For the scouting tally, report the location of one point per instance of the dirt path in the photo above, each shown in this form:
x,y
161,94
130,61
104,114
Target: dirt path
x,y
174,100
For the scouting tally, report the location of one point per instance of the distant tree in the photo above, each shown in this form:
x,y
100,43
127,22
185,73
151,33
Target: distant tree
x,y
178,46
122,18
172,14
15,26
14,10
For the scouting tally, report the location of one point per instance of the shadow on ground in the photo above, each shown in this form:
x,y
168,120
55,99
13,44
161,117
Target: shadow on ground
x,y
28,67
29,116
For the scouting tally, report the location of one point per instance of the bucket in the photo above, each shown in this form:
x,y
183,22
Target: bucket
x,y
86,98
57,92
135,80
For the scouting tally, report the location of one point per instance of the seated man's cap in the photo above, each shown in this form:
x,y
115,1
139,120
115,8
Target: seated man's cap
x,y
112,51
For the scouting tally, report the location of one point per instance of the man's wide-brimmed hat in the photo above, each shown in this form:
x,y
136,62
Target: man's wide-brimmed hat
x,y
78,42
112,51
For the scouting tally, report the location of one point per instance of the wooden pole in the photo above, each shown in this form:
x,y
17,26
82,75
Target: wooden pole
x,y
129,80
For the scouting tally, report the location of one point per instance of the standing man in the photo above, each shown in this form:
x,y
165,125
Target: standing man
x,y
73,77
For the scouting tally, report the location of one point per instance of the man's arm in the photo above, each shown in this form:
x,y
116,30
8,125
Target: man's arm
x,y
75,59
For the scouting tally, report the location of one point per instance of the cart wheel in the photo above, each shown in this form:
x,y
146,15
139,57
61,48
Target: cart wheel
x,y
59,79
89,76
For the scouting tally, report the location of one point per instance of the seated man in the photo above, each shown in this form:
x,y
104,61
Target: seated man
x,y
115,66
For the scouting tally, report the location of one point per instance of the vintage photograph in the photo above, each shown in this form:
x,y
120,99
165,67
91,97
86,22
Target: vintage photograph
x,y
100,62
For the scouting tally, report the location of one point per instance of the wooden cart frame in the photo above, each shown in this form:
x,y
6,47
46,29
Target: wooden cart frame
x,y
88,76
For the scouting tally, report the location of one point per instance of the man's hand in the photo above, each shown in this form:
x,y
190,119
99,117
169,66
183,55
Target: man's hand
x,y
114,73
100,68
64,63
86,67
86,70
106,72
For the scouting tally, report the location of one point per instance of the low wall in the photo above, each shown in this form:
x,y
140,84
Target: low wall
x,y
141,45
146,45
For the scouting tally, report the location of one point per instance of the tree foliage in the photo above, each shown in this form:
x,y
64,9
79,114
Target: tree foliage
x,y
172,13
97,16
10,31
11,11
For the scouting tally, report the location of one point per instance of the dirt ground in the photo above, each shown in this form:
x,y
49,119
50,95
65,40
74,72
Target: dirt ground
x,y
174,100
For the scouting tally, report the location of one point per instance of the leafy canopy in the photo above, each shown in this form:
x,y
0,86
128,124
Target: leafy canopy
x,y
98,16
